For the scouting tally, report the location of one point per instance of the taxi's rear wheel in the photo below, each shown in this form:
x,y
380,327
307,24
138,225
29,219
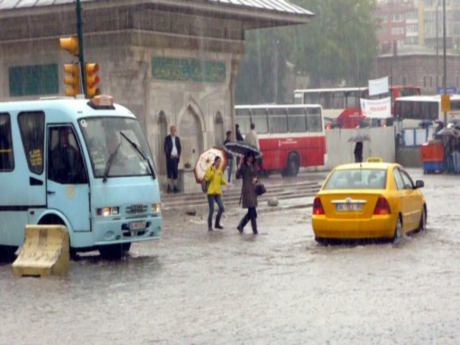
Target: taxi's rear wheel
x,y
322,241
398,231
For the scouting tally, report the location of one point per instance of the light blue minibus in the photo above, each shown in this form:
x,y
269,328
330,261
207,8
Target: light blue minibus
x,y
83,164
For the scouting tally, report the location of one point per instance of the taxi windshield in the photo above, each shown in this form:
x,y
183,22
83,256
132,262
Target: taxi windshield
x,y
114,144
357,179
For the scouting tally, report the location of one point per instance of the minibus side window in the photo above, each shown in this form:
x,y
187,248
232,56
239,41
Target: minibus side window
x,y
6,144
32,127
65,163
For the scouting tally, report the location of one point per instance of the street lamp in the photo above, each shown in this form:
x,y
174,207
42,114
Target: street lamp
x,y
444,80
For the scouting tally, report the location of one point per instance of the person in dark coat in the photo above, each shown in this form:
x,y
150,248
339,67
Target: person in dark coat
x,y
358,152
248,173
172,148
238,135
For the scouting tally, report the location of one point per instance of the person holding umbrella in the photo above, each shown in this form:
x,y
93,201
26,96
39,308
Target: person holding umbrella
x,y
215,179
248,173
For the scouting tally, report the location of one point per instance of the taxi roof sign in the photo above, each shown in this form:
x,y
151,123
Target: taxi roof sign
x,y
375,160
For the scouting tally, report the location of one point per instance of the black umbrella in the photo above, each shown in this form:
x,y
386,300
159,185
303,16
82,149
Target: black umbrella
x,y
241,149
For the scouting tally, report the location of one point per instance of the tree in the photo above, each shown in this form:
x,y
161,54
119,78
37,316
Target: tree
x,y
260,79
339,44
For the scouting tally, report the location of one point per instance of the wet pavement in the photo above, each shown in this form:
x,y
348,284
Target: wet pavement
x,y
195,287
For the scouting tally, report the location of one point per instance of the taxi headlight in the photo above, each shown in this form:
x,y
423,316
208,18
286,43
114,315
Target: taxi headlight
x,y
156,208
108,211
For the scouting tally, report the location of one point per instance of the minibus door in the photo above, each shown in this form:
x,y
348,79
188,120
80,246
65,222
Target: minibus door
x,y
67,184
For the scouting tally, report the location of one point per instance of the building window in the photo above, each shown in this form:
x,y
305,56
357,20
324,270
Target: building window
x,y
33,80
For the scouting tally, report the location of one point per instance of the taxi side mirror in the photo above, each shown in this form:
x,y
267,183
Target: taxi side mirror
x,y
419,184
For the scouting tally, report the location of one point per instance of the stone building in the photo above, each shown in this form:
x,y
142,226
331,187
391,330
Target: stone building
x,y
169,61
423,69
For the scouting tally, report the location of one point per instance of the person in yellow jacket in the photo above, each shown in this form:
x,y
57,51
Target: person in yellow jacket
x,y
215,179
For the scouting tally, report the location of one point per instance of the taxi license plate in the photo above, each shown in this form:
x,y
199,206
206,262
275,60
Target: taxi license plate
x,y
134,226
349,207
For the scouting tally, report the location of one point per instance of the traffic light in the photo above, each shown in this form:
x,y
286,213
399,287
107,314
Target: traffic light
x,y
71,44
92,79
72,79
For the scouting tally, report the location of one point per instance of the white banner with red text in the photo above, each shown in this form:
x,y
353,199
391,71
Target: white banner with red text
x,y
376,108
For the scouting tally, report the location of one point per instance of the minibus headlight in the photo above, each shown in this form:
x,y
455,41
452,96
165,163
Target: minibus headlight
x,y
156,208
108,211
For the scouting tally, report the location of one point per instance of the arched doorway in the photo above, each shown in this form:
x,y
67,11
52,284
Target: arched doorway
x,y
191,137
162,126
219,131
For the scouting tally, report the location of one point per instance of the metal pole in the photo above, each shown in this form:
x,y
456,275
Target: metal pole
x,y
437,44
445,55
80,44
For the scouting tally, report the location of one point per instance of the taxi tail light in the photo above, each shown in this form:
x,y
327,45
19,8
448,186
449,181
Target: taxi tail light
x,y
318,207
382,206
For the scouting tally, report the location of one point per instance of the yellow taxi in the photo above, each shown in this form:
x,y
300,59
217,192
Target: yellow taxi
x,y
368,200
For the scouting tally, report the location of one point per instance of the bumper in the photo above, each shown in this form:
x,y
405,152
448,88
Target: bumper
x,y
116,231
374,227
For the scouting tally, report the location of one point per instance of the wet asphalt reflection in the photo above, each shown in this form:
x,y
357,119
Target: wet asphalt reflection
x,y
280,287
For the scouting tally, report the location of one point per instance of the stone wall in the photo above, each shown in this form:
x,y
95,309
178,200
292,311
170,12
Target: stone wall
x,y
125,43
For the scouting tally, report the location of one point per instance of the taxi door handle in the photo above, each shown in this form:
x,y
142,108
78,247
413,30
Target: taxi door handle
x,y
50,192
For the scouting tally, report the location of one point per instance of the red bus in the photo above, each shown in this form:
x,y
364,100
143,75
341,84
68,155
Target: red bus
x,y
342,105
290,136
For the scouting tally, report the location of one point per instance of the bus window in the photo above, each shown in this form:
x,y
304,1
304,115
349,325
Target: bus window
x,y
296,120
353,99
259,117
6,144
338,100
277,120
32,127
243,118
65,163
312,98
313,116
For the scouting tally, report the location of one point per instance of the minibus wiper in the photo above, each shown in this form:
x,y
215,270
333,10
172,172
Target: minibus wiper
x,y
109,163
140,152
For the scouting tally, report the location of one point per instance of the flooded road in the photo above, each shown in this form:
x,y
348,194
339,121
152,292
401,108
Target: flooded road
x,y
195,287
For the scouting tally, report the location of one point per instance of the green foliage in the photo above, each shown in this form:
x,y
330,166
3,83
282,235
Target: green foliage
x,y
339,44
260,79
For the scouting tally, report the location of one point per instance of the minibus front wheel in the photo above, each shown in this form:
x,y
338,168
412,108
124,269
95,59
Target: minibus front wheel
x,y
114,251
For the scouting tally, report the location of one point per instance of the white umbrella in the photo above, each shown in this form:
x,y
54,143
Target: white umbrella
x,y
206,159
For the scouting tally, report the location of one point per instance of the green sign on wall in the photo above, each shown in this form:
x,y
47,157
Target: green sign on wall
x,y
188,70
33,80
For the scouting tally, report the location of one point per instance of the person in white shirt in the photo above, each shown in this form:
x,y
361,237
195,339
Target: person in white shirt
x,y
172,148
252,138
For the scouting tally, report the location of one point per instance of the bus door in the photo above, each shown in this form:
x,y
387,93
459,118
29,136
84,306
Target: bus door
x,y
67,184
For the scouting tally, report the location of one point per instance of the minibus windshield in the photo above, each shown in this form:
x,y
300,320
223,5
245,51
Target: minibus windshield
x,y
103,137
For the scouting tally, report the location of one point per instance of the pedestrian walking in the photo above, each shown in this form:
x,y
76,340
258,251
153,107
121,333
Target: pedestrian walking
x,y
230,158
215,179
172,148
456,156
358,152
248,173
